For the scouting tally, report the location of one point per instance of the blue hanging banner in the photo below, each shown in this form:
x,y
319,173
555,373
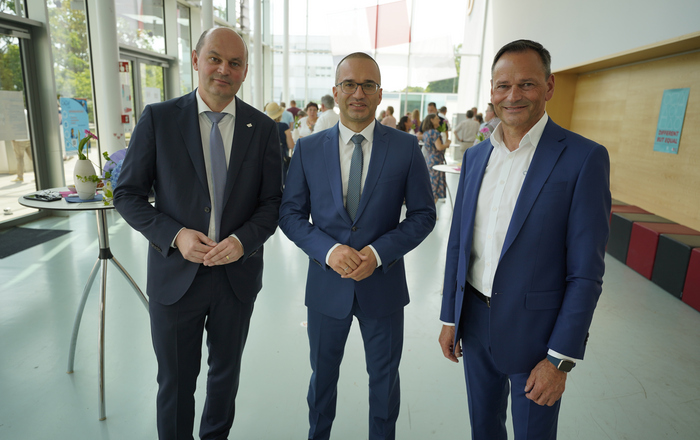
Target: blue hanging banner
x,y
671,116
74,120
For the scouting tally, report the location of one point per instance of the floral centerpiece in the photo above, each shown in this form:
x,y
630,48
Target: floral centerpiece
x,y
88,180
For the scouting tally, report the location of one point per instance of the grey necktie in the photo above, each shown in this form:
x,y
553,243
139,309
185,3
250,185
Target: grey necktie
x,y
355,178
217,158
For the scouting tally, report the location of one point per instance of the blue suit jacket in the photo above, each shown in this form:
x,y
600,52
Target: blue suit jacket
x,y
550,271
166,152
396,171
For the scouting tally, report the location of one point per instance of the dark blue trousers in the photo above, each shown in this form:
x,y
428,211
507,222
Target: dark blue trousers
x,y
383,342
488,388
177,332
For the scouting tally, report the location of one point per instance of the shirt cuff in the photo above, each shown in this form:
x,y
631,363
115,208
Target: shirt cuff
x,y
562,357
376,255
330,251
172,243
451,324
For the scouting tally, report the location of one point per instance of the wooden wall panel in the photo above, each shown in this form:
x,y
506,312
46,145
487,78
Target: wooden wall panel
x,y
619,108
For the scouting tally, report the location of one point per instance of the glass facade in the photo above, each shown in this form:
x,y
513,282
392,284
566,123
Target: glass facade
x,y
140,24
184,48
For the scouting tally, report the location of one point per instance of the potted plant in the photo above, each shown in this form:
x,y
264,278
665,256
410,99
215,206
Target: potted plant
x,y
84,172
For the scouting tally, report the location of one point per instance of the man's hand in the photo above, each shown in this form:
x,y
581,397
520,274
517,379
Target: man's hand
x,y
546,384
227,251
446,340
193,245
345,259
366,267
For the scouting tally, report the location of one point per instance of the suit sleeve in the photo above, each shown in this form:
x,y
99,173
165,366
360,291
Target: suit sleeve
x,y
295,212
587,236
135,183
263,222
420,214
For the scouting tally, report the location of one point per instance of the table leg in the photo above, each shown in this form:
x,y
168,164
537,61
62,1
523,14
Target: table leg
x,y
104,256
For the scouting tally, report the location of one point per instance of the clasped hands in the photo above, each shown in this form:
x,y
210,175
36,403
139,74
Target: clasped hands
x,y
198,248
351,263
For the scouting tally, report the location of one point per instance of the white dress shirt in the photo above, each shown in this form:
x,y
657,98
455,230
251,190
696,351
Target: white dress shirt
x,y
345,148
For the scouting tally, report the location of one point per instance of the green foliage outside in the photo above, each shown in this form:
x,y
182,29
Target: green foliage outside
x,y
449,85
10,65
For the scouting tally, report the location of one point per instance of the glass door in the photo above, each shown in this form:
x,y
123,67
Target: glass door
x,y
142,83
17,158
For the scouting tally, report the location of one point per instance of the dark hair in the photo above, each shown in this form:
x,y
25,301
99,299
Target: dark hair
x,y
428,122
480,118
470,114
522,46
443,109
357,55
402,124
433,104
311,104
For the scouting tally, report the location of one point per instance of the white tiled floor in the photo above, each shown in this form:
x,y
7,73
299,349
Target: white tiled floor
x,y
639,379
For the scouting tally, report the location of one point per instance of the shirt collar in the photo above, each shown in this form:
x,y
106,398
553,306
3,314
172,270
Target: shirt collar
x,y
346,134
532,137
203,107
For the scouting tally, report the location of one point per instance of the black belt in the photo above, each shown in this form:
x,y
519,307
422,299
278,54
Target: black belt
x,y
485,299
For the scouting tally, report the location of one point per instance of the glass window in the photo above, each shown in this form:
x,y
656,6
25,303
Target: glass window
x,y
14,7
220,9
140,24
152,85
72,73
184,44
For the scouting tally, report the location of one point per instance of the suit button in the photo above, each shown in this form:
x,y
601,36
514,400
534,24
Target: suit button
x,y
354,228
207,209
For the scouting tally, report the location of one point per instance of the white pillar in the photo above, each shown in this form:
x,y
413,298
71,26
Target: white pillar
x,y
285,54
104,54
207,14
257,56
171,48
473,64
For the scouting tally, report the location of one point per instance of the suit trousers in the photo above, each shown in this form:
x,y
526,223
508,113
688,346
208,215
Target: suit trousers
x,y
177,331
383,343
488,387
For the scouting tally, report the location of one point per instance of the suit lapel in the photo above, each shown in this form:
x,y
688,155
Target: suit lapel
x,y
380,147
548,150
332,162
474,167
244,127
188,121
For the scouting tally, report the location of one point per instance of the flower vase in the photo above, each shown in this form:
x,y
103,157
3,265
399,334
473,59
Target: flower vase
x,y
85,190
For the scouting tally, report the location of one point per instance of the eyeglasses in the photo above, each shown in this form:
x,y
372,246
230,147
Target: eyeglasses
x,y
349,87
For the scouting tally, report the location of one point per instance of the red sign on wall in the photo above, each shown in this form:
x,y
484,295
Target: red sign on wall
x,y
124,67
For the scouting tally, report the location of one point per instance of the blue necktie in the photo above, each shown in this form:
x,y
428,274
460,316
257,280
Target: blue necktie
x,y
217,159
355,179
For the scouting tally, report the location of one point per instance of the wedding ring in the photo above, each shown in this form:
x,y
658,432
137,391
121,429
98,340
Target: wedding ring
x,y
346,268
227,258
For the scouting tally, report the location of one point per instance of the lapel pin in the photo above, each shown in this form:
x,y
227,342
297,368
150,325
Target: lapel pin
x,y
250,125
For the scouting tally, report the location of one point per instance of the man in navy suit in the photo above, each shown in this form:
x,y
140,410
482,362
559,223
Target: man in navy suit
x,y
525,255
215,166
352,180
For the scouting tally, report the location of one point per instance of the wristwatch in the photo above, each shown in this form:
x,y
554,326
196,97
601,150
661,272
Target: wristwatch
x,y
561,364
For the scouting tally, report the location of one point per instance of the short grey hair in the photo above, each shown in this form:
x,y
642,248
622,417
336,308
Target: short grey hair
x,y
328,101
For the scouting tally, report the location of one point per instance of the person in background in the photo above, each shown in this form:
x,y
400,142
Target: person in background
x,y
21,147
464,134
214,163
435,154
389,120
474,111
404,124
352,180
275,113
522,279
443,115
432,110
287,117
293,109
479,118
415,120
328,117
308,122
382,115
487,127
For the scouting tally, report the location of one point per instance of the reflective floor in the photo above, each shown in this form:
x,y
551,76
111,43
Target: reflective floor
x,y
639,379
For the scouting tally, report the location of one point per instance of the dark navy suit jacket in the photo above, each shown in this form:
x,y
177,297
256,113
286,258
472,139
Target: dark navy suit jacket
x,y
549,275
166,152
396,171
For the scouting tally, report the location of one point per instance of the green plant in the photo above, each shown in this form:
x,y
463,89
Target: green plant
x,y
91,178
83,142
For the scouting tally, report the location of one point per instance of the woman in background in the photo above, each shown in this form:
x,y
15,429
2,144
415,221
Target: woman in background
x,y
435,149
306,124
404,124
274,111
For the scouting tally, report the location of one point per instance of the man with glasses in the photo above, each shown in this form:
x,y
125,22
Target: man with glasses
x,y
352,179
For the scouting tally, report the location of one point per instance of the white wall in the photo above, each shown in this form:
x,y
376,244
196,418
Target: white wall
x,y
574,31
